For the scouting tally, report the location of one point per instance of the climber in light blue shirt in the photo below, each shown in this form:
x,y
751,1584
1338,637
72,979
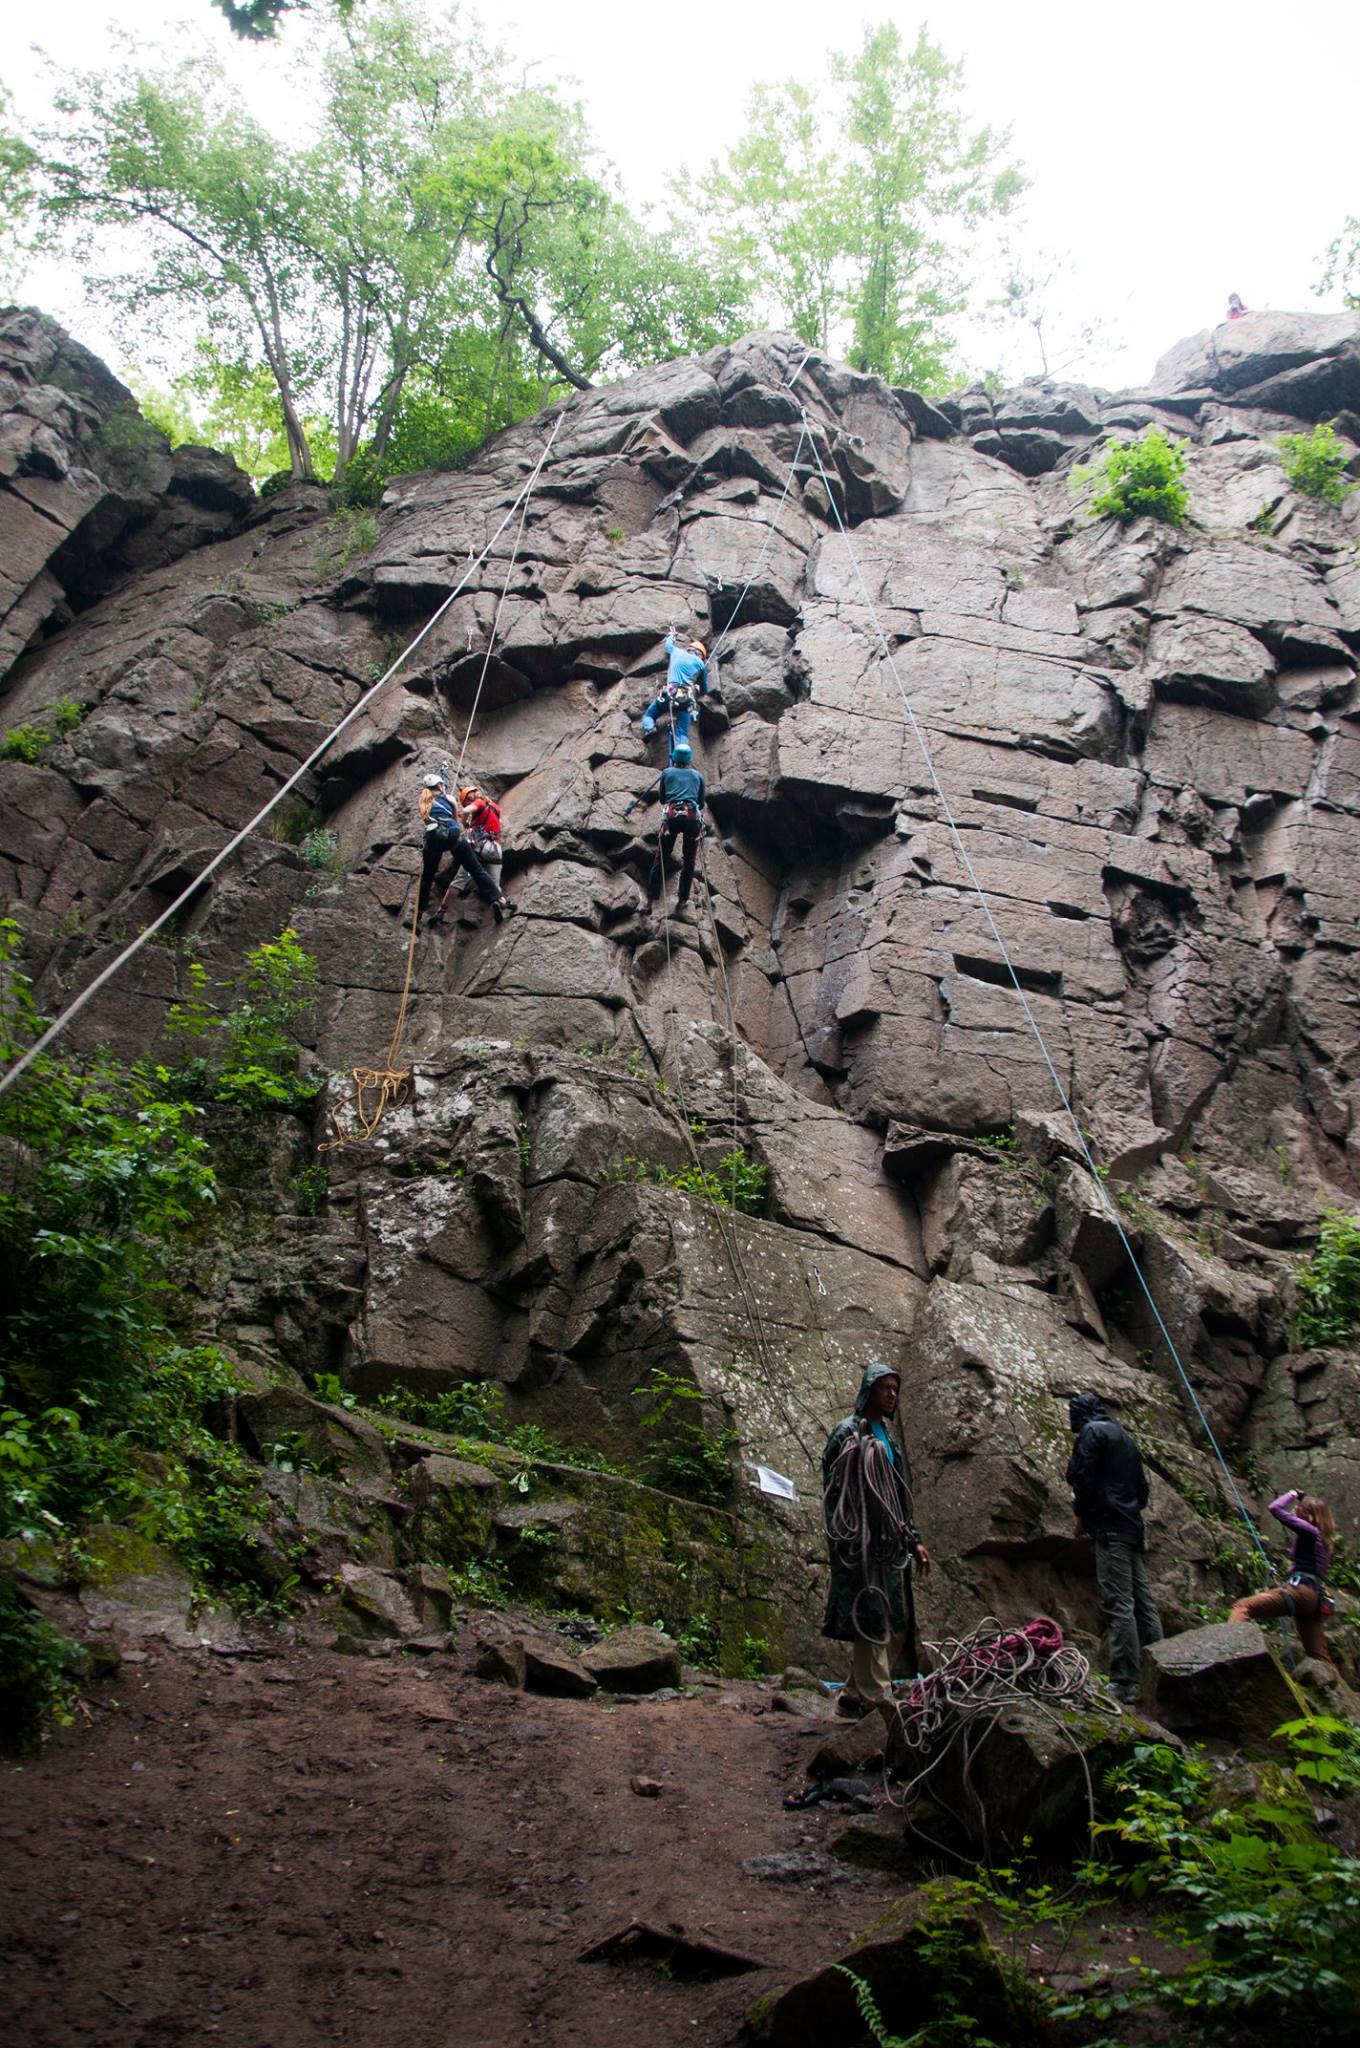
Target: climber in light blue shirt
x,y
686,682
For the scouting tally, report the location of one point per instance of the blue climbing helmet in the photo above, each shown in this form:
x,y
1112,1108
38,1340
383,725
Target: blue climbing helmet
x,y
681,754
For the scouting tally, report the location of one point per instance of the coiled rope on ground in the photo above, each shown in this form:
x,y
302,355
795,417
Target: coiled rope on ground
x,y
974,1680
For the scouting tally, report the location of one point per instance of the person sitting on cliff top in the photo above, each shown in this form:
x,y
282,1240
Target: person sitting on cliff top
x,y
681,789
686,682
1236,310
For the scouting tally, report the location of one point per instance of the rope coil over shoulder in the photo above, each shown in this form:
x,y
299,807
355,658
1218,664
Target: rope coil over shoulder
x,y
867,1524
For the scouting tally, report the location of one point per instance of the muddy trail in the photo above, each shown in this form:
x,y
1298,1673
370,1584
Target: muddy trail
x,y
312,1848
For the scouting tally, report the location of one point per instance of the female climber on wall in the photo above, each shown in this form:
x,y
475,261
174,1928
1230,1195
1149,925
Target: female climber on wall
x,y
1304,1597
481,821
444,840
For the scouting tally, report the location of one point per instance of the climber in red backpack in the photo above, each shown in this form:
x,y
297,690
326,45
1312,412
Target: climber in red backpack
x,y
681,789
444,840
481,821
686,682
1236,310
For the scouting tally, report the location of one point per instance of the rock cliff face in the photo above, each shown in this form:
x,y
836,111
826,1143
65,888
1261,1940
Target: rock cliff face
x,y
1149,741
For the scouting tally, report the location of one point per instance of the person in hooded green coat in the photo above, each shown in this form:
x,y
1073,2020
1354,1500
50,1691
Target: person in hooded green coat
x,y
871,1609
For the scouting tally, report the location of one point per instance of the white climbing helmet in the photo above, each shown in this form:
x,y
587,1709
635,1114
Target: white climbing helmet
x,y
432,782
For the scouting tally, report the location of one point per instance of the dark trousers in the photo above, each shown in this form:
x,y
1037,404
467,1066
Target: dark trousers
x,y
1128,1609
689,828
438,848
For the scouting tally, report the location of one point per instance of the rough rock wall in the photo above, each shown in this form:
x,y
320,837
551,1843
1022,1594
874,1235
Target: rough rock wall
x,y
1148,740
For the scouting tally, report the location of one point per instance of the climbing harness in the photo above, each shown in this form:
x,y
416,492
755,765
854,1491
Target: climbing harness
x,y
106,974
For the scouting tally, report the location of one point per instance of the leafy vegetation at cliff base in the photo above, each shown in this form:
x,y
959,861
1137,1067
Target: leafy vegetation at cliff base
x,y
105,1400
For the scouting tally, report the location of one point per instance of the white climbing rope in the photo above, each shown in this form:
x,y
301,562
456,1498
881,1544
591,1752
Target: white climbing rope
x,y
885,653
60,1024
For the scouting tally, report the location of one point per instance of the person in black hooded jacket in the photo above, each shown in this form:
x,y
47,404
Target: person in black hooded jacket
x,y
1109,1493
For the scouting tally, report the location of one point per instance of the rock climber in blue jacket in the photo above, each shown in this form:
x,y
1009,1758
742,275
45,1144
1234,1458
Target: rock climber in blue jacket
x,y
686,682
681,790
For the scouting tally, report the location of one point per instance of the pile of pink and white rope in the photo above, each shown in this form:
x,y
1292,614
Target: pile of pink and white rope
x,y
977,1677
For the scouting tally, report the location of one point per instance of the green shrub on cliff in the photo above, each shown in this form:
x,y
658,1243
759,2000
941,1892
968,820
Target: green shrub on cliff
x,y
249,1054
1142,479
30,742
104,1407
1315,463
1329,1286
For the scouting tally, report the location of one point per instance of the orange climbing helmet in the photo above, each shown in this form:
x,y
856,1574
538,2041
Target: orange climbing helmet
x,y
698,645
468,792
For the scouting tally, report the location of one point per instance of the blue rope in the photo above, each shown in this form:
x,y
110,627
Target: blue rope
x,y
981,894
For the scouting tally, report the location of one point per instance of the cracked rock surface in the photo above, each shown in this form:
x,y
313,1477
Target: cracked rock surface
x,y
1144,746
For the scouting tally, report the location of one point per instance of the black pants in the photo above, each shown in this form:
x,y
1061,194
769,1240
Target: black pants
x,y
688,826
440,845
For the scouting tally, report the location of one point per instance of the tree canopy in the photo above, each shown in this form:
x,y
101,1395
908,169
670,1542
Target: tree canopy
x,y
441,226
852,209
436,249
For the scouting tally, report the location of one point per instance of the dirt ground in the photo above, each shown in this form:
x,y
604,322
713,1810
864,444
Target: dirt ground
x,y
313,1848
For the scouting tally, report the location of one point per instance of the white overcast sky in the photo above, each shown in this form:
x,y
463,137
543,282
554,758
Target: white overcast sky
x,y
1177,152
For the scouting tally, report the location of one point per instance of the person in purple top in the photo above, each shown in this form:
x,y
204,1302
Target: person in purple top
x,y
1304,1598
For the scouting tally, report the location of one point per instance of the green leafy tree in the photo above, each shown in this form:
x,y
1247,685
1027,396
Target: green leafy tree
x,y
1037,296
18,162
923,181
853,210
439,212
259,21
219,211
229,405
778,208
106,1173
1341,268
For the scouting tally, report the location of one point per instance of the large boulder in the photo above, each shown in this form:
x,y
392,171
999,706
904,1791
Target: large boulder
x,y
634,1659
1025,1776
1221,1680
